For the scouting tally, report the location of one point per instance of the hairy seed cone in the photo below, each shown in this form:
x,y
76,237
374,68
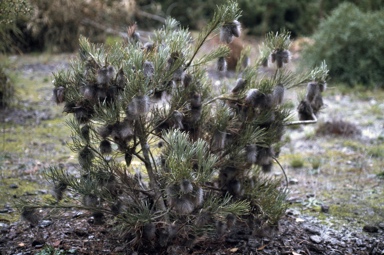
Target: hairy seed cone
x,y
226,35
240,85
305,111
59,94
105,147
312,91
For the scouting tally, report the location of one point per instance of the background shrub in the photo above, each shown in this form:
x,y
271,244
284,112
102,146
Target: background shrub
x,y
350,42
56,25
7,90
301,17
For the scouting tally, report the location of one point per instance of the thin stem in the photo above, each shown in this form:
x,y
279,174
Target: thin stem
x,y
147,161
201,43
282,169
221,97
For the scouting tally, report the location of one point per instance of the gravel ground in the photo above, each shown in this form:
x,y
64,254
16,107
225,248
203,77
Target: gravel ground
x,y
298,232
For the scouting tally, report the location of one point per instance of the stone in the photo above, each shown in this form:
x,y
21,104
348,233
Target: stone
x,y
325,208
13,186
370,229
316,239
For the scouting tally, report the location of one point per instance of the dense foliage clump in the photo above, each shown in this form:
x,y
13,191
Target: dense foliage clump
x,y
352,50
165,154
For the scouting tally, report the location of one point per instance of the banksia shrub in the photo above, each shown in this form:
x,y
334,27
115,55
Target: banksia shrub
x,y
352,50
164,154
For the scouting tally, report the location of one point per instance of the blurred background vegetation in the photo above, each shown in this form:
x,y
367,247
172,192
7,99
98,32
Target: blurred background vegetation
x,y
346,33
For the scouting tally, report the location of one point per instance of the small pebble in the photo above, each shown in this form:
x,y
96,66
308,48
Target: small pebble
x,y
316,239
325,208
45,223
13,186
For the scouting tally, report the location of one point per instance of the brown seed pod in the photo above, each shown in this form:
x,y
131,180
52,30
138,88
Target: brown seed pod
x,y
59,95
221,64
305,111
105,147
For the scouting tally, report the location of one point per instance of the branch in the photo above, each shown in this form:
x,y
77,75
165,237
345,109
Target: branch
x,y
302,122
221,97
151,16
282,169
112,31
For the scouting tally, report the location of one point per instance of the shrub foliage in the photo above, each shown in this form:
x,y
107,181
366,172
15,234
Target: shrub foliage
x,y
172,159
349,41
